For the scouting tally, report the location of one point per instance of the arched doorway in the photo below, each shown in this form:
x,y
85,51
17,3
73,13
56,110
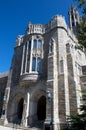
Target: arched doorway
x,y
20,109
41,108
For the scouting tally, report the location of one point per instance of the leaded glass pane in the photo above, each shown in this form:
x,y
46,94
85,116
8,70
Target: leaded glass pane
x,y
38,65
29,46
33,64
24,62
39,44
35,44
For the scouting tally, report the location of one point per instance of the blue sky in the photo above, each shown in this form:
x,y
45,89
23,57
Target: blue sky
x,y
14,17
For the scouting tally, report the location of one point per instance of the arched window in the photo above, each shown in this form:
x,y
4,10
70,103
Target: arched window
x,y
68,48
39,44
32,61
35,44
36,60
51,45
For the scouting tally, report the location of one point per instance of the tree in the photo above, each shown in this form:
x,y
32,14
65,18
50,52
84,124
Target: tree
x,y
81,34
78,121
81,30
82,4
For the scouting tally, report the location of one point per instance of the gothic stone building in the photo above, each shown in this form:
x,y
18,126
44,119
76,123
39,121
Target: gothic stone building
x,y
46,77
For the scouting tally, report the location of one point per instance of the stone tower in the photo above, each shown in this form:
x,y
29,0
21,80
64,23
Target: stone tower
x,y
44,80
74,18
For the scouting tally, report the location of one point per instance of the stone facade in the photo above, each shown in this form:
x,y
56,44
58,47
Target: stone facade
x,y
43,84
3,84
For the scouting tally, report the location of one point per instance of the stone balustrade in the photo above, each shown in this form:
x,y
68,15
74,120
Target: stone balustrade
x,y
28,78
35,28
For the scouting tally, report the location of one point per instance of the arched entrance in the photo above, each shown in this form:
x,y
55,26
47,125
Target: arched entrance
x,y
20,109
41,108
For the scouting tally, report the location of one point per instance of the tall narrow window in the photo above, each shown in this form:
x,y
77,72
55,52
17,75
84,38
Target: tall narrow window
x,y
28,56
61,66
38,64
51,44
25,49
28,62
29,46
33,64
35,44
39,44
68,48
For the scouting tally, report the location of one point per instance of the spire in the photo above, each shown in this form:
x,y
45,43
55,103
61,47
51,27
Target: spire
x,y
74,18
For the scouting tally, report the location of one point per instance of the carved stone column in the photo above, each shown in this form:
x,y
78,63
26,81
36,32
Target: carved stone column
x,y
6,98
26,110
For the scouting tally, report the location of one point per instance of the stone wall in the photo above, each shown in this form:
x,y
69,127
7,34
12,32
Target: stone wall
x,y
3,84
59,76
16,66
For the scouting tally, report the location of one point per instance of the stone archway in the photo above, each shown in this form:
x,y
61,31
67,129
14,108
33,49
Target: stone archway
x,y
41,108
37,106
15,108
20,109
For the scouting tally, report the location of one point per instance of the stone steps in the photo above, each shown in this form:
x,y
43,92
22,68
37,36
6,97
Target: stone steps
x,y
36,126
1,121
16,128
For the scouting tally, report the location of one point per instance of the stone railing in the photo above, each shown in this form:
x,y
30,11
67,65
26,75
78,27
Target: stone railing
x,y
28,78
35,28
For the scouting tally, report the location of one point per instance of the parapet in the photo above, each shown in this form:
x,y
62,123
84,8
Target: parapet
x,y
19,40
56,21
35,28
